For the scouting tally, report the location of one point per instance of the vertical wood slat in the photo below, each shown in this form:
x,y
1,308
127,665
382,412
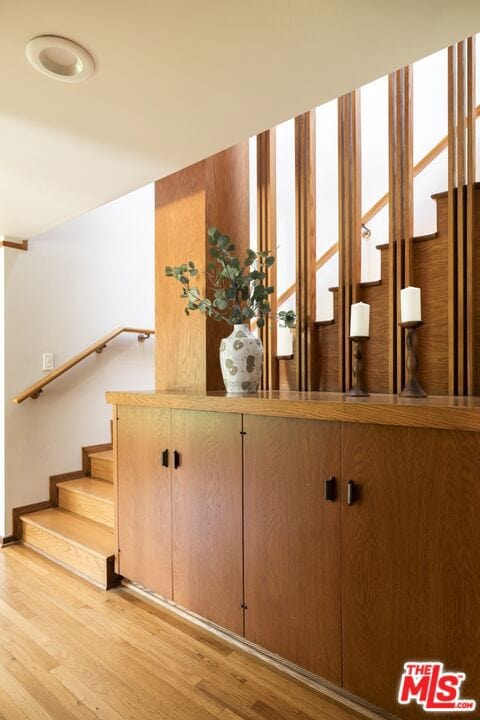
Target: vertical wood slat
x,y
452,225
401,270
398,229
349,203
470,214
305,249
392,222
461,177
341,241
266,230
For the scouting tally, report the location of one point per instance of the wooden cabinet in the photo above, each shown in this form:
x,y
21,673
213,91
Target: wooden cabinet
x,y
349,586
207,516
179,516
144,497
411,565
292,541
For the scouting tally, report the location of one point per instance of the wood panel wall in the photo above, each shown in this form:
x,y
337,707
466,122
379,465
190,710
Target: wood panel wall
x,y
212,192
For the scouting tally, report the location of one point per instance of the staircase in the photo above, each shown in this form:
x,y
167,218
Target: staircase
x,y
77,531
430,262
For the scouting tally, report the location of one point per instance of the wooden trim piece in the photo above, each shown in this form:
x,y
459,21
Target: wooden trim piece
x,y
470,214
305,248
14,244
34,390
266,223
26,510
8,540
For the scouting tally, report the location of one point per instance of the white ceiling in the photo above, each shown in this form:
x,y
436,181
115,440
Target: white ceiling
x,y
177,80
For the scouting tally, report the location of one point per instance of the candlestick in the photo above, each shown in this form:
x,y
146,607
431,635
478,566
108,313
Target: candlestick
x,y
412,386
359,320
357,389
410,305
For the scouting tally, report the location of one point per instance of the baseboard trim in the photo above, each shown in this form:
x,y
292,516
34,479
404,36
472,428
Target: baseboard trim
x,y
26,510
8,540
322,686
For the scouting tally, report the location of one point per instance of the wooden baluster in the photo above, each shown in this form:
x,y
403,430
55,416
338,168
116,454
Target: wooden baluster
x,y
305,249
472,388
266,222
452,224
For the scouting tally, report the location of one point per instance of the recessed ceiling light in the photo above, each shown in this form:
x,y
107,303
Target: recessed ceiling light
x,y
60,58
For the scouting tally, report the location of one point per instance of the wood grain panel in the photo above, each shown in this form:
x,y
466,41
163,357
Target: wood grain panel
x,y
181,344
292,542
400,602
207,516
212,192
227,208
144,498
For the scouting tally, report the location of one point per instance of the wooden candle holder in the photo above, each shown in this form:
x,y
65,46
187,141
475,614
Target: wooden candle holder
x,y
412,388
357,389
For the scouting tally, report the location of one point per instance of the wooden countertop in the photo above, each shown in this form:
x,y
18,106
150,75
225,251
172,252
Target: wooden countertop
x,y
460,413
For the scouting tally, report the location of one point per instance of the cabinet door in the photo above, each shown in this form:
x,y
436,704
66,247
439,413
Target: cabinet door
x,y
411,561
144,498
207,516
292,542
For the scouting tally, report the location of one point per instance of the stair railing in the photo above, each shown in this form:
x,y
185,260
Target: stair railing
x,y
375,209
35,390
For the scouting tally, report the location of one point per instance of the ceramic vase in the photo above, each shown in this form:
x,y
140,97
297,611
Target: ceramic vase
x,y
241,360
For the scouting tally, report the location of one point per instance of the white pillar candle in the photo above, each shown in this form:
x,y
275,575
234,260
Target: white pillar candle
x,y
411,304
360,320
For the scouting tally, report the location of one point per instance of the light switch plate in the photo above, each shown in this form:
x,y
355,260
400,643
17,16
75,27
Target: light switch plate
x,y
48,361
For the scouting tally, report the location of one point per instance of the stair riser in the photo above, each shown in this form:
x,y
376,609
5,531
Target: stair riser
x,y
67,553
86,506
101,469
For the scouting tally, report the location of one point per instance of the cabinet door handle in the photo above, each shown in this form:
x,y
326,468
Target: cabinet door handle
x,y
165,458
176,459
331,489
351,492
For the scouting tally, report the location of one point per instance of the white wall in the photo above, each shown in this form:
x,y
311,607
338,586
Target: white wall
x,y
75,284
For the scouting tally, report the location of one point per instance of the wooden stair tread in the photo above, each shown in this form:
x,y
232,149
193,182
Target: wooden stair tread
x,y
99,489
93,536
106,455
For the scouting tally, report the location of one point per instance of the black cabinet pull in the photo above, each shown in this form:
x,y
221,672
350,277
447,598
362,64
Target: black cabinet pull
x,y
176,459
331,489
165,458
351,492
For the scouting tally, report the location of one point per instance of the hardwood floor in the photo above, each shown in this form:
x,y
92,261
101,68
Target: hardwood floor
x,y
71,650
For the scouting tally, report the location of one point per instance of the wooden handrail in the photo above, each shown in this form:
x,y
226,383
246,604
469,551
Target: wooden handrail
x,y
34,390
379,205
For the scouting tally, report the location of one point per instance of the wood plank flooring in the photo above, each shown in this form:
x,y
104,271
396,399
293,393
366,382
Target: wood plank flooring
x,y
71,650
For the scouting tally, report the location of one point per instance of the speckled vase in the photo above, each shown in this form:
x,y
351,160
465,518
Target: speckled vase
x,y
241,360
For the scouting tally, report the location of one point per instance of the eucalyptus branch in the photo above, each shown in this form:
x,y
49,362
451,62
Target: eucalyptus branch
x,y
239,290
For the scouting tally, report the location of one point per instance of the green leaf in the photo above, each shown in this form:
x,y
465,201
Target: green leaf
x,y
260,322
270,261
